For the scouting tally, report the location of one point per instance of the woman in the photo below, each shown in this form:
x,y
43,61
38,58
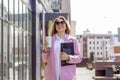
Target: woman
x,y
60,33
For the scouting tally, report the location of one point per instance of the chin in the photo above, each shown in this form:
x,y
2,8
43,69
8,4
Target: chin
x,y
60,31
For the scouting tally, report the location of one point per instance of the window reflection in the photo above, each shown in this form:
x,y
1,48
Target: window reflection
x,y
0,43
16,12
0,36
0,8
5,9
5,50
11,11
16,40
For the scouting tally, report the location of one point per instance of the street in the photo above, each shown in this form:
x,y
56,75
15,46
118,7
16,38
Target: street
x,y
84,74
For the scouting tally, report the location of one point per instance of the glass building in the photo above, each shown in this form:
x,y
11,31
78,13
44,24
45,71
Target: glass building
x,y
23,25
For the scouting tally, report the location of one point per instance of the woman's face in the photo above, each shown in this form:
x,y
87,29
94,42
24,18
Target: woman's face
x,y
60,25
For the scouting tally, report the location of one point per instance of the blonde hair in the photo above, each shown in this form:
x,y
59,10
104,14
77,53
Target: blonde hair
x,y
53,30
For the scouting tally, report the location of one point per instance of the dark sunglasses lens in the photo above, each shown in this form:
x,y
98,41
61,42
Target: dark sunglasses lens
x,y
57,23
62,22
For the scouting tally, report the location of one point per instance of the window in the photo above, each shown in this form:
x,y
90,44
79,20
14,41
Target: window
x,y
90,48
93,42
97,42
90,42
97,53
15,40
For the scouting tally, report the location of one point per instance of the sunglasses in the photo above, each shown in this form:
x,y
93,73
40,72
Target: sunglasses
x,y
59,22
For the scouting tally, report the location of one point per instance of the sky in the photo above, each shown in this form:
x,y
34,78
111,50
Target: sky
x,y
98,16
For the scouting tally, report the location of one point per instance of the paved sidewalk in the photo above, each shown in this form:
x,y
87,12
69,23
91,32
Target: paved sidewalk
x,y
84,74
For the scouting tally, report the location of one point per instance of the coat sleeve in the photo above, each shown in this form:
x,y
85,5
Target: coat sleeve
x,y
76,58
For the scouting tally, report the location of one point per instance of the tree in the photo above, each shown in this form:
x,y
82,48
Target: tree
x,y
91,57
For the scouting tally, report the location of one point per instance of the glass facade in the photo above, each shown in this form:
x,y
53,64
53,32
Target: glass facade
x,y
15,40
22,31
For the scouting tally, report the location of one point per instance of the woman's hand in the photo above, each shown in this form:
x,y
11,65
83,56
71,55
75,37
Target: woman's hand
x,y
64,56
45,44
45,47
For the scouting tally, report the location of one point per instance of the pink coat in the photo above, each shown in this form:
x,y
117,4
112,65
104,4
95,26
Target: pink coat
x,y
67,72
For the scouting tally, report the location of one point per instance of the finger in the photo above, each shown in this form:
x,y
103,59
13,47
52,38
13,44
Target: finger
x,y
45,44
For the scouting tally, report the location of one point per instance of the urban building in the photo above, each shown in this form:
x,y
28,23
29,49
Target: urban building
x,y
118,34
99,44
22,31
73,28
115,52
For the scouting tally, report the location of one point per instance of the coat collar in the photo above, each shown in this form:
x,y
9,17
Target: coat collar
x,y
67,37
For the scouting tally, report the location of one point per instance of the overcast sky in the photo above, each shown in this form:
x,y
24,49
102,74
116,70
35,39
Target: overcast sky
x,y
99,16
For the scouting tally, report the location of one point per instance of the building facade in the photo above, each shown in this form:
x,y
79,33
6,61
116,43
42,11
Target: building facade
x,y
22,32
99,44
118,34
115,52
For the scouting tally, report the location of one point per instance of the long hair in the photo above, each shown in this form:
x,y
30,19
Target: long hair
x,y
53,30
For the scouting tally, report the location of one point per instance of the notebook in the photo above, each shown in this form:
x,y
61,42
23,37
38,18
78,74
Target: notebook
x,y
69,49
